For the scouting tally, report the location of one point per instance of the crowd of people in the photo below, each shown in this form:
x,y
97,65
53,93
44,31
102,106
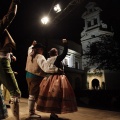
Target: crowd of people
x,y
48,87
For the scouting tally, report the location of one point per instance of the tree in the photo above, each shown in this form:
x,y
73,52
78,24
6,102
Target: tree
x,y
105,53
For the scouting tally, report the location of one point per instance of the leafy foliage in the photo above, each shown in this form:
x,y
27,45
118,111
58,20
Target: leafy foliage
x,y
105,53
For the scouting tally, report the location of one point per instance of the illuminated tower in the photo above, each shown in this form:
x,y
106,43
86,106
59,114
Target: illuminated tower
x,y
94,28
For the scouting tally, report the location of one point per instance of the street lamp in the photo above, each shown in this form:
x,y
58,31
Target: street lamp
x,y
57,8
45,20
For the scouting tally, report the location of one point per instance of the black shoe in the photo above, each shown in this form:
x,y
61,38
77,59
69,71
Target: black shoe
x,y
54,117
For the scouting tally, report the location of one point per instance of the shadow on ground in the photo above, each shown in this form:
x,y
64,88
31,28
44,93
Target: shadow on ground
x,y
102,99
43,118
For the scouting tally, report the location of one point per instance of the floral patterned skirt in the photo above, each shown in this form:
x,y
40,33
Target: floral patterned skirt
x,y
56,95
3,109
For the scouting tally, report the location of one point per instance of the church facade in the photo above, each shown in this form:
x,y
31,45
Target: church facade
x,y
93,30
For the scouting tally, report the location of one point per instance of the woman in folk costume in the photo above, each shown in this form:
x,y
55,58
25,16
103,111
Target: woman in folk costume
x,y
56,95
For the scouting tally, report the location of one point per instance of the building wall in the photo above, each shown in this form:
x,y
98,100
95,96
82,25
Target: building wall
x,y
92,31
76,78
112,80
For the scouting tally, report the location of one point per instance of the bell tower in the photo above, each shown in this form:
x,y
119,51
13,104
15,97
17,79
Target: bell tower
x,y
93,30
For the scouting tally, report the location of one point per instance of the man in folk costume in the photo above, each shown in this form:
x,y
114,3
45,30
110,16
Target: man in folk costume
x,y
7,77
36,69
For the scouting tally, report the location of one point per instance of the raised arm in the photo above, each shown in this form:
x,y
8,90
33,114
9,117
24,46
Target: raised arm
x,y
30,48
7,19
64,53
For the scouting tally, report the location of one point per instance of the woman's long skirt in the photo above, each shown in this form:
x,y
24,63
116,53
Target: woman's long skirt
x,y
56,95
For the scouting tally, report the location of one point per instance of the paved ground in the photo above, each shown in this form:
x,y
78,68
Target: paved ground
x,y
81,114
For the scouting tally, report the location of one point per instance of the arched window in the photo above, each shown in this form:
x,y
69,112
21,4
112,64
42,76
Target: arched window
x,y
95,21
89,23
66,62
76,65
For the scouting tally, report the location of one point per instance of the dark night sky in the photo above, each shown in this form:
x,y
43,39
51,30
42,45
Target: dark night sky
x,y
26,26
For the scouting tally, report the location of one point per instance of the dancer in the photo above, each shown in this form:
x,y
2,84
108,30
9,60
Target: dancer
x,y
7,77
36,66
5,92
56,95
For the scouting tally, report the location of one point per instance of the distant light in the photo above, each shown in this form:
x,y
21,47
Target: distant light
x,y
57,8
45,20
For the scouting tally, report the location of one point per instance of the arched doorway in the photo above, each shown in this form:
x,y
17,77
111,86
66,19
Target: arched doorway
x,y
95,84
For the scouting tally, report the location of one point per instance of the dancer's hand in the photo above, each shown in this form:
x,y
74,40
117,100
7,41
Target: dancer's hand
x,y
34,42
13,58
64,41
16,73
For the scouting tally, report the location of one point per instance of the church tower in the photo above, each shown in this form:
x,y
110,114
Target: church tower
x,y
93,30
